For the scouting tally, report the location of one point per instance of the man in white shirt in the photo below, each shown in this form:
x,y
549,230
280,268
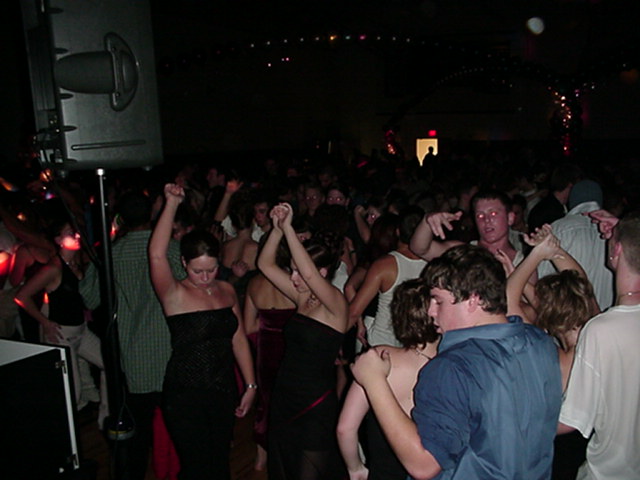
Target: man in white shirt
x,y
602,399
580,238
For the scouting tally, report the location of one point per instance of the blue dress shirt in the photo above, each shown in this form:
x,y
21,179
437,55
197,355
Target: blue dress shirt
x,y
487,405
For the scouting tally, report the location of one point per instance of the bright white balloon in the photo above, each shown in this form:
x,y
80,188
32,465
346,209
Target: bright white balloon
x,y
535,25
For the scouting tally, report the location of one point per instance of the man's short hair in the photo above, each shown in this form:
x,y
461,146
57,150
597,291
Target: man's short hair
x,y
491,194
627,232
467,270
564,175
134,208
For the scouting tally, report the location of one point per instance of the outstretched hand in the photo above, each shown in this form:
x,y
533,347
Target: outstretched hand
x,y
605,220
233,186
440,221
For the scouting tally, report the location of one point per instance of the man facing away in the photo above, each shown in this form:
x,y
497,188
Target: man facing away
x,y
145,342
602,400
580,238
487,405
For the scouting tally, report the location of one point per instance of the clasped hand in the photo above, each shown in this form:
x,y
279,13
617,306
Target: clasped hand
x,y
371,367
281,215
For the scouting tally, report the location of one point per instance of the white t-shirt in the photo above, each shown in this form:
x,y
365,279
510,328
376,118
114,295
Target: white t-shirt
x,y
603,394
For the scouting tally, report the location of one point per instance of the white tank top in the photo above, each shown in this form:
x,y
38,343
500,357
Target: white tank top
x,y
381,331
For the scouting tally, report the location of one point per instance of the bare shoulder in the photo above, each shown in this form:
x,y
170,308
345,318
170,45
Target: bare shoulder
x,y
226,288
257,283
382,265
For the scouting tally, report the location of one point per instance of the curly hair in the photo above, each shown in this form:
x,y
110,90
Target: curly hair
x,y
565,300
412,325
466,270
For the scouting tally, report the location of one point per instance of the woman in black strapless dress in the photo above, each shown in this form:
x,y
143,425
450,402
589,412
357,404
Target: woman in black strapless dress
x,y
304,405
199,392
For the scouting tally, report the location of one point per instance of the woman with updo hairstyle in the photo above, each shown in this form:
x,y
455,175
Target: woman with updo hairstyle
x,y
202,313
419,339
304,403
197,243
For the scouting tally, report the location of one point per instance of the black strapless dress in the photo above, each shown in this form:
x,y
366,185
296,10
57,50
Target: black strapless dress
x,y
199,394
304,405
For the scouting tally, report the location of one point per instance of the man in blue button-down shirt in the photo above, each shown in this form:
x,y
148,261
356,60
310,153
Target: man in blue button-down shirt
x,y
487,406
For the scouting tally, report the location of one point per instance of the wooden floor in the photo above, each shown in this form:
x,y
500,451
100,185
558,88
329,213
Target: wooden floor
x,y
93,446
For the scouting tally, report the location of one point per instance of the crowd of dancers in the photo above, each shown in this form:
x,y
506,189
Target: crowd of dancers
x,y
382,318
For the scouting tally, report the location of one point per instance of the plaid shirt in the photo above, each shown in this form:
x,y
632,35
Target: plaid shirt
x,y
145,343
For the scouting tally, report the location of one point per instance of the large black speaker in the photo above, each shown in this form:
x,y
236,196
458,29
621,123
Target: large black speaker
x,y
93,82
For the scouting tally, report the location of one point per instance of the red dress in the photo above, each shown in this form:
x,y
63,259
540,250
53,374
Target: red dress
x,y
269,353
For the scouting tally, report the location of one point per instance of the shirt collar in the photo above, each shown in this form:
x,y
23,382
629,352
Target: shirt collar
x,y
584,207
484,332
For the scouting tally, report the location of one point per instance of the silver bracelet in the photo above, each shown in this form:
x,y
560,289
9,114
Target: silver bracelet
x,y
251,385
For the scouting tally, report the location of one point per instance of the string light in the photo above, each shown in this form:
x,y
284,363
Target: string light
x,y
567,116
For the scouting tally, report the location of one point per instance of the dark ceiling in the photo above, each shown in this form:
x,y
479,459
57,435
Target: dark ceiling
x,y
578,33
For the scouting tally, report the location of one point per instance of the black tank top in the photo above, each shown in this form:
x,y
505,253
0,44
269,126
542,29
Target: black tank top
x,y
65,302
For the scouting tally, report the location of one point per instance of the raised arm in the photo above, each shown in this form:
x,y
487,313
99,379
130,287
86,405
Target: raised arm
x,y
423,241
268,266
366,293
361,224
23,233
545,247
230,189
161,275
329,296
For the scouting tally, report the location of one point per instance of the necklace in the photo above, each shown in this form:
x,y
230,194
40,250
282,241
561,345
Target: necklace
x,y
422,354
628,294
71,264
207,290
